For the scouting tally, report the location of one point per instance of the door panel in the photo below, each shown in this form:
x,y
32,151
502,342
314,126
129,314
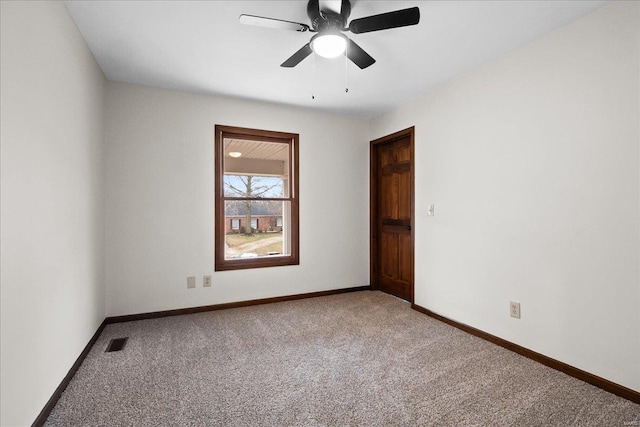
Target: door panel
x,y
404,195
405,258
392,214
389,262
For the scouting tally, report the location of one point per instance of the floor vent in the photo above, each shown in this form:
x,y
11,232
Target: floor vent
x,y
116,344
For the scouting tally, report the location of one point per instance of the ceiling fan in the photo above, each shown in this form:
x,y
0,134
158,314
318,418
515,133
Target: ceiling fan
x,y
330,24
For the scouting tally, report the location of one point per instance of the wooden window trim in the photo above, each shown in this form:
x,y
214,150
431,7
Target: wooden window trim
x,y
222,132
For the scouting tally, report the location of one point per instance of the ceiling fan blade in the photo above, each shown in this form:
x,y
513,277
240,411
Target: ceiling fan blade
x,y
358,56
297,57
385,21
278,24
345,10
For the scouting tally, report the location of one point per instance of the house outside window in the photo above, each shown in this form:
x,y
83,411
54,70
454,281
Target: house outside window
x,y
256,185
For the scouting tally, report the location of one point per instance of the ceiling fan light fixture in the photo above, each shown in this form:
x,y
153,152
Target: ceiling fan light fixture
x,y
329,45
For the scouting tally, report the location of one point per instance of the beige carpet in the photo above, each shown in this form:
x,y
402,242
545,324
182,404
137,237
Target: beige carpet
x,y
358,359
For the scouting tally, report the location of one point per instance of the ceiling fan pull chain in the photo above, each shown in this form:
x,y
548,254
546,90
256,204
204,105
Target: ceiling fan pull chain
x,y
346,69
313,76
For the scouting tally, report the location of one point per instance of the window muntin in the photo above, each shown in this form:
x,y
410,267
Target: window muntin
x,y
256,185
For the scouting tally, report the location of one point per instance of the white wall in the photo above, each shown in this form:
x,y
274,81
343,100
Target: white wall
x,y
51,150
532,162
160,200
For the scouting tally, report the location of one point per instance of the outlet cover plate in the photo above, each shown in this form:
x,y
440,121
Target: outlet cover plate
x,y
206,281
191,282
514,309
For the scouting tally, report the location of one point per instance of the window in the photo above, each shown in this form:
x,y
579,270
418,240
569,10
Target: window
x,y
256,193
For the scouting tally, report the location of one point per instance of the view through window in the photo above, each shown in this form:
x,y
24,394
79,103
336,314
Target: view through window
x,y
256,198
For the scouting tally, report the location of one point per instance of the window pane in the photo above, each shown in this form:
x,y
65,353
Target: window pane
x,y
264,238
254,186
256,168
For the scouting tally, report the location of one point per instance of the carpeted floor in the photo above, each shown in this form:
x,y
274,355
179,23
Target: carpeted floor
x,y
357,359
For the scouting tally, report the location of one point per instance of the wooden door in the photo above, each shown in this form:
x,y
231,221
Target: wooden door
x,y
392,208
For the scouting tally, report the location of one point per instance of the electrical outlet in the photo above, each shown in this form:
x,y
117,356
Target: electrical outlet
x,y
191,282
515,309
206,281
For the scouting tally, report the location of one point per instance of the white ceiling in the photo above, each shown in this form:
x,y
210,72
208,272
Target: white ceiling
x,y
200,46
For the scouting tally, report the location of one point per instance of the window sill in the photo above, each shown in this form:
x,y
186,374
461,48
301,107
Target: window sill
x,y
262,262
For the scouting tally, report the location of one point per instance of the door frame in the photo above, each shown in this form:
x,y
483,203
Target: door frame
x,y
373,213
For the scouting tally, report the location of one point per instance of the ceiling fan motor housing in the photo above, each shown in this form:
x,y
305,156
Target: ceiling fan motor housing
x,y
327,20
